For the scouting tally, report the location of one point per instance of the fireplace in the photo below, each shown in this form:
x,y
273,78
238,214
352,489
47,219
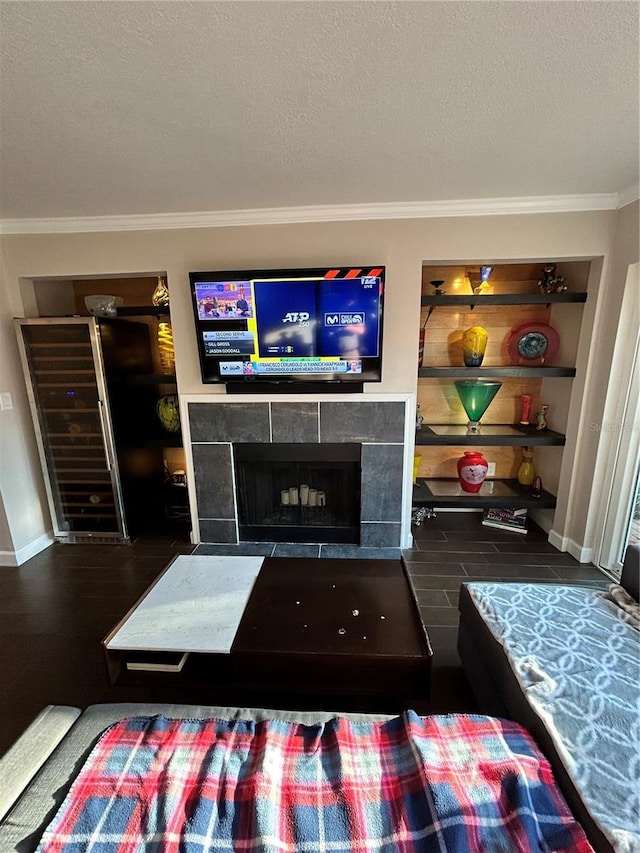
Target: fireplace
x,y
368,503
298,492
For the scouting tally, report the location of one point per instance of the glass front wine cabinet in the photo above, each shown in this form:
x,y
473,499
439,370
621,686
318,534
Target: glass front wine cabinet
x,y
67,390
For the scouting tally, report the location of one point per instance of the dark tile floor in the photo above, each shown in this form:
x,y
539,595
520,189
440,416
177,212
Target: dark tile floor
x,y
455,548
56,608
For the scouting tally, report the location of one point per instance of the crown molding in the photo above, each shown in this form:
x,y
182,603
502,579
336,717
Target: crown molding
x,y
628,195
318,213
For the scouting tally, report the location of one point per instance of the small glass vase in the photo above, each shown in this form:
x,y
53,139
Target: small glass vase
x,y
526,471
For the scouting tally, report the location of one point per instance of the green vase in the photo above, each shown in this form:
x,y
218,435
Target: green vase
x,y
476,396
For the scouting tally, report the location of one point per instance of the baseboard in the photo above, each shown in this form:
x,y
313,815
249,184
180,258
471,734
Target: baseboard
x,y
577,551
17,558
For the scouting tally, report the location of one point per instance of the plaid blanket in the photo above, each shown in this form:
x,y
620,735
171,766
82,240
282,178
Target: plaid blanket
x,y
444,783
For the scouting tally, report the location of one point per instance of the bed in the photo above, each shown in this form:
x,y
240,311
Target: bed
x,y
564,661
197,779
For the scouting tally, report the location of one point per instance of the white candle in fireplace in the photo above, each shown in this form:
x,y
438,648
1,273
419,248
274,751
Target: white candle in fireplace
x,y
284,497
322,499
293,496
313,494
304,494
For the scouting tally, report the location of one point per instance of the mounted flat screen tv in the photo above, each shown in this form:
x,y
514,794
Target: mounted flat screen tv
x,y
286,326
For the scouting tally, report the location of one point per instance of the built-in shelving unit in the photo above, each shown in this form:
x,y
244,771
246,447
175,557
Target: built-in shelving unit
x,y
515,300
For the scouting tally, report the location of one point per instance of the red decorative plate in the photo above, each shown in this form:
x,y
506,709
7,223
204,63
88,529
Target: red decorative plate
x,y
533,344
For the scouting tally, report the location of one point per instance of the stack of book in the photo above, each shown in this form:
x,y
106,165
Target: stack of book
x,y
506,519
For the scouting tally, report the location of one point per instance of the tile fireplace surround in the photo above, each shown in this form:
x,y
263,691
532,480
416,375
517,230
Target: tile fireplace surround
x,y
384,424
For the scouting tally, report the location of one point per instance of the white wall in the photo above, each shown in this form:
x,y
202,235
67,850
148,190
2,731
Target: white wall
x,y
585,526
24,514
401,245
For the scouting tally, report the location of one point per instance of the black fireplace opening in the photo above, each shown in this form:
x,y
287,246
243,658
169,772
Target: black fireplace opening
x,y
298,492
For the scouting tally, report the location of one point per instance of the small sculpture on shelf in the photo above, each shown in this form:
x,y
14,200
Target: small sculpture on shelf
x,y
165,347
419,417
168,411
541,417
525,409
160,297
536,489
437,284
550,282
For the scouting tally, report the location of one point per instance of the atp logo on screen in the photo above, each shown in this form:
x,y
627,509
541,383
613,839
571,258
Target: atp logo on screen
x,y
339,319
296,317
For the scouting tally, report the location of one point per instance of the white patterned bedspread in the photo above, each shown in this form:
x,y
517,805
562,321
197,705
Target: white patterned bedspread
x,y
577,657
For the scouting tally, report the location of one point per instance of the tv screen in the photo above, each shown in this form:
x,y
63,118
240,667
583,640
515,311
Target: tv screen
x,y
290,325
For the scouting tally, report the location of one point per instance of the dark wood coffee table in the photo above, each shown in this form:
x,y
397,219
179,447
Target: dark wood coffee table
x,y
314,633
334,628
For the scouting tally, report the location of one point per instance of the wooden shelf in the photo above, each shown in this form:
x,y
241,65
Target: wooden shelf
x,y
512,370
142,311
492,435
446,493
143,378
473,299
152,443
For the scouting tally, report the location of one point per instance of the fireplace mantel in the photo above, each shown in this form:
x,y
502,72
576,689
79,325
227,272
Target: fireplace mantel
x,y
384,424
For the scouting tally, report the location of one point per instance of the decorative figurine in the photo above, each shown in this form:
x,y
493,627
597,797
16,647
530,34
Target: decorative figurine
x,y
536,489
550,282
160,297
525,410
482,285
541,417
419,417
485,275
437,283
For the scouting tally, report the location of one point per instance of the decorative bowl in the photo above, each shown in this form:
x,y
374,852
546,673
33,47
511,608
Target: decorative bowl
x,y
103,305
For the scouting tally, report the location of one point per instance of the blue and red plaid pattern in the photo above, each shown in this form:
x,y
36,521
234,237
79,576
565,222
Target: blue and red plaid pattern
x,y
445,783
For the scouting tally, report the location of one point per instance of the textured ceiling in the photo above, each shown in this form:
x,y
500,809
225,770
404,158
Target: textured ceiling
x,y
114,108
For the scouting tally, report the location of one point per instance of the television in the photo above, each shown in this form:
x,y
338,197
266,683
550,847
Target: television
x,y
304,327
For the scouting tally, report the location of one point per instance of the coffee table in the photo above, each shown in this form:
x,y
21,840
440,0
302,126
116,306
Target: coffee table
x,y
279,632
